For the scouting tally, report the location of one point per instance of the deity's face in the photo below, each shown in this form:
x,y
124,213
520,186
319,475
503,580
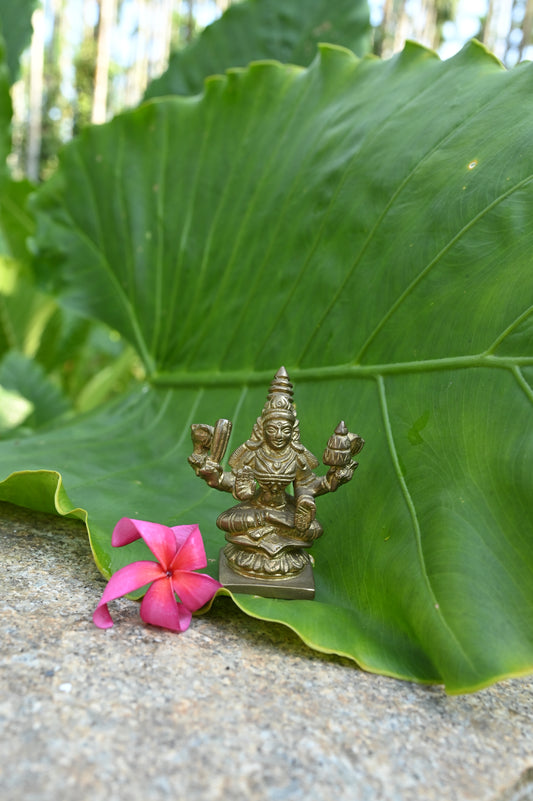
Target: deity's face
x,y
278,433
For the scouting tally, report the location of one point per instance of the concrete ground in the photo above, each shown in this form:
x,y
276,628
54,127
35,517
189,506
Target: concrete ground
x,y
234,708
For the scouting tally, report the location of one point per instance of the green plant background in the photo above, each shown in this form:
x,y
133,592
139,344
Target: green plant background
x,y
367,224
283,30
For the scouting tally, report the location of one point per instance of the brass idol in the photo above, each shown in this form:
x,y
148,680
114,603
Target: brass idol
x,y
270,531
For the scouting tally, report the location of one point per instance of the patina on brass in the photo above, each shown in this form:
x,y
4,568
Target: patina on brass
x,y
270,531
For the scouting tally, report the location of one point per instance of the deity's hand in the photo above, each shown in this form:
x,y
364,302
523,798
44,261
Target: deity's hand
x,y
340,475
211,472
244,483
305,513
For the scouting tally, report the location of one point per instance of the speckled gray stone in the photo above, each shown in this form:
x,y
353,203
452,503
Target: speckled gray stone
x,y
234,708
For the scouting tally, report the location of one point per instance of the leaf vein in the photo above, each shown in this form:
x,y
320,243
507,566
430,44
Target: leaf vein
x,y
522,382
243,376
158,457
193,192
414,515
427,269
251,206
370,138
509,330
121,293
223,198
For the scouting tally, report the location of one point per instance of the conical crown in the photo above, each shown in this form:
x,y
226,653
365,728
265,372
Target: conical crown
x,y
279,402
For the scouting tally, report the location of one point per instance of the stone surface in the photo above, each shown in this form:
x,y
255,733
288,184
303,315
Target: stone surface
x,y
234,708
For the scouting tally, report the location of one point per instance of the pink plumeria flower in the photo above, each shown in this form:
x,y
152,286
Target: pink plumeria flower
x,y
179,552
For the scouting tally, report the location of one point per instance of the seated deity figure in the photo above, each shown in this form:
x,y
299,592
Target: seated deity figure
x,y
271,529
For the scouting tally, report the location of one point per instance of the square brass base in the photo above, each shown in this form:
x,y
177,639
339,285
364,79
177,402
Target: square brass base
x,y
301,586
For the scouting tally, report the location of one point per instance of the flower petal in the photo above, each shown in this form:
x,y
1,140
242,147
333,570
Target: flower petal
x,y
160,539
194,589
191,555
182,532
160,608
127,579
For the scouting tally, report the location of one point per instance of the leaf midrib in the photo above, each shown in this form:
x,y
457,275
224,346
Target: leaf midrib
x,y
246,377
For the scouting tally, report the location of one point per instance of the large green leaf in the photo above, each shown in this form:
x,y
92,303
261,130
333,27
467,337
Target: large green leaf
x,y
367,224
15,25
286,30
